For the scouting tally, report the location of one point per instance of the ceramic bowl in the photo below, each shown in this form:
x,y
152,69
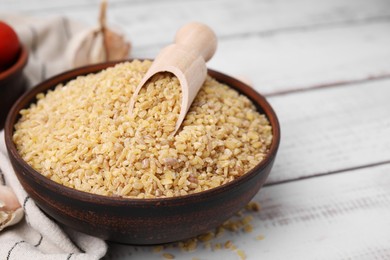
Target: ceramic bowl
x,y
140,221
12,84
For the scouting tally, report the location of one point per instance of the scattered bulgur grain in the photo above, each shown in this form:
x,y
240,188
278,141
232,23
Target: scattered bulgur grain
x,y
241,254
248,228
233,247
247,219
217,246
228,244
192,245
238,223
219,231
157,249
253,206
168,256
206,237
81,135
231,225
207,245
260,237
188,245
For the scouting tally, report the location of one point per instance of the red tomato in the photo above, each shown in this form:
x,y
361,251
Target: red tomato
x,y
9,46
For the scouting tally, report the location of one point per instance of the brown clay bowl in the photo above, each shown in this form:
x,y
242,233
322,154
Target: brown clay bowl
x,y
140,221
12,84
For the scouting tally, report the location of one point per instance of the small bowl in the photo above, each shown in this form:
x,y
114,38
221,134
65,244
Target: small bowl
x,y
140,221
12,84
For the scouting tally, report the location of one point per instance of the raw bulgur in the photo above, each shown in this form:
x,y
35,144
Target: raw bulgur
x,y
82,135
214,239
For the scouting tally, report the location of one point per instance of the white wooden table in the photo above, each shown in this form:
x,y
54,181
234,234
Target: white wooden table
x,y
325,68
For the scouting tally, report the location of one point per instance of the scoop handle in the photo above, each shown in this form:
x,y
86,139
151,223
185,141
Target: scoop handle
x,y
197,38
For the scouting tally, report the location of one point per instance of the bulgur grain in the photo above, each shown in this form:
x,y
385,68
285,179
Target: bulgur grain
x,y
168,256
241,254
206,237
260,237
253,206
212,240
158,248
228,244
248,228
81,135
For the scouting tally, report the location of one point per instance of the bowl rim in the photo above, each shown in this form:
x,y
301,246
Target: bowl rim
x,y
18,65
28,98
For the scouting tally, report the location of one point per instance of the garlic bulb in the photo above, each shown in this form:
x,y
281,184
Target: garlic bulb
x,y
10,210
98,44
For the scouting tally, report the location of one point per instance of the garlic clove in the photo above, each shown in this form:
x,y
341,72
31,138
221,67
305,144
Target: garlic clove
x,y
117,47
97,52
11,211
8,200
9,218
84,48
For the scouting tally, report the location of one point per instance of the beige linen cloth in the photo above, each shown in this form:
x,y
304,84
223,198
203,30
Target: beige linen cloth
x,y
37,236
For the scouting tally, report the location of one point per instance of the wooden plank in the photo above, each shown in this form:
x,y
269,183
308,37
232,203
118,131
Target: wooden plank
x,y
305,59
150,22
277,49
343,216
255,15
230,17
338,217
332,129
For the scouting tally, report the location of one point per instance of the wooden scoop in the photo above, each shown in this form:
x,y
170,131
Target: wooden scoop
x,y
186,58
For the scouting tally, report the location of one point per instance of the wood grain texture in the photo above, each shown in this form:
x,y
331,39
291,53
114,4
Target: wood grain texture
x,y
328,195
300,60
332,129
344,216
141,17
279,45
